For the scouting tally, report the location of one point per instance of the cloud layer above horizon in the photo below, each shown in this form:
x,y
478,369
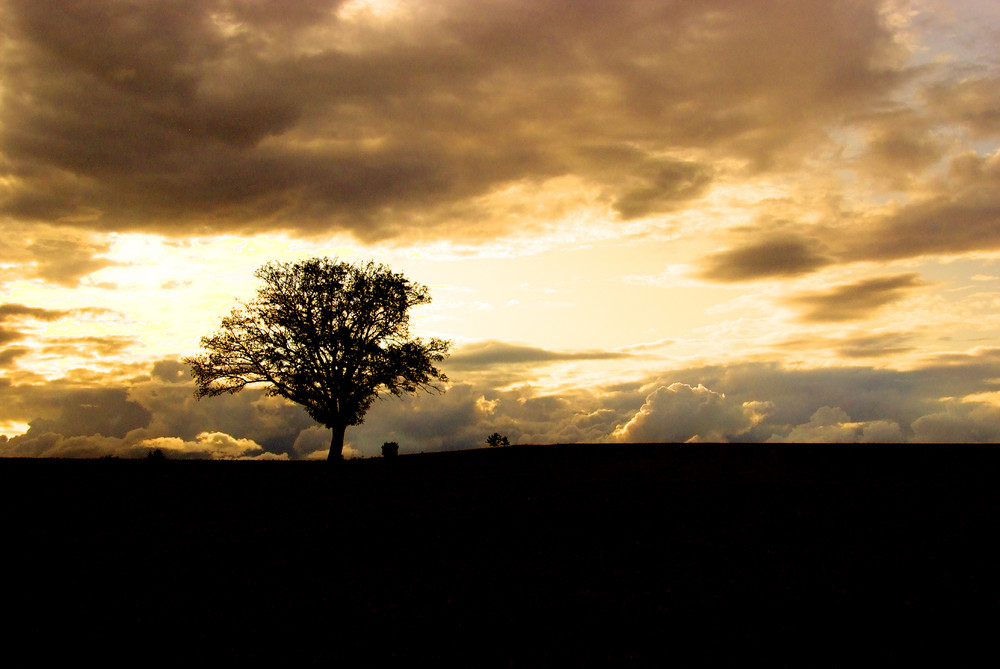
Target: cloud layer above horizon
x,y
640,221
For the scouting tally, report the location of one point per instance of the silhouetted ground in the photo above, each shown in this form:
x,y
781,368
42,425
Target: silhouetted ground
x,y
523,556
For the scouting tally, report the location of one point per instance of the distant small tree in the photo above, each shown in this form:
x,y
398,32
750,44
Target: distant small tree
x,y
390,449
156,454
496,440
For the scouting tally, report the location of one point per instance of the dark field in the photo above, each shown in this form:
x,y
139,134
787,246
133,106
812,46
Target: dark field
x,y
523,556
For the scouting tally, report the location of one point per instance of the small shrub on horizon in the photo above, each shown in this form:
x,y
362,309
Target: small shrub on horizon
x,y
497,440
390,449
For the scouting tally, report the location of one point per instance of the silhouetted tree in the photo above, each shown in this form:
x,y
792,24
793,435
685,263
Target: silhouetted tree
x,y
329,335
496,439
390,449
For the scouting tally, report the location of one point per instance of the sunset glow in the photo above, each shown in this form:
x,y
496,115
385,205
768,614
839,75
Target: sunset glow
x,y
641,221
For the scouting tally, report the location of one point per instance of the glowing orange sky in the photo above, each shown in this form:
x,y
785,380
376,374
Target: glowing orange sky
x,y
641,221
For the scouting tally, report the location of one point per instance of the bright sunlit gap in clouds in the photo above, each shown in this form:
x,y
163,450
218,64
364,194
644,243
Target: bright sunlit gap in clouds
x,y
774,221
378,8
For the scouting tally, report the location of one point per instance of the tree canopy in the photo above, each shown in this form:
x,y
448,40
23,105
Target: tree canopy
x,y
326,334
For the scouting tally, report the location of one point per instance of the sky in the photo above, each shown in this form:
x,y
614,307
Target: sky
x,y
639,221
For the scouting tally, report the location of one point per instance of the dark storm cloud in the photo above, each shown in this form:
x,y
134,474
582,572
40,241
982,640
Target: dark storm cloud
x,y
663,185
82,412
783,256
872,346
943,226
88,417
212,115
855,346
87,347
486,354
855,300
7,335
64,345
974,102
957,212
65,261
271,422
960,214
898,150
58,255
8,356
12,311
963,217
901,146
171,371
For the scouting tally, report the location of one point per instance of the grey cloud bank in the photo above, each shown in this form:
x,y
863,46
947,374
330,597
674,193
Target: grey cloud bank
x,y
192,117
949,399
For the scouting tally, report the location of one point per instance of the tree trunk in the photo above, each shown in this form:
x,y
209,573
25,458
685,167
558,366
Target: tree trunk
x,y
336,443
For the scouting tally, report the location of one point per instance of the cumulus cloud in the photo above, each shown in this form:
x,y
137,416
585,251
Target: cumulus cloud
x,y
959,422
53,445
469,412
272,422
746,402
832,425
209,445
160,404
868,395
206,446
681,413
